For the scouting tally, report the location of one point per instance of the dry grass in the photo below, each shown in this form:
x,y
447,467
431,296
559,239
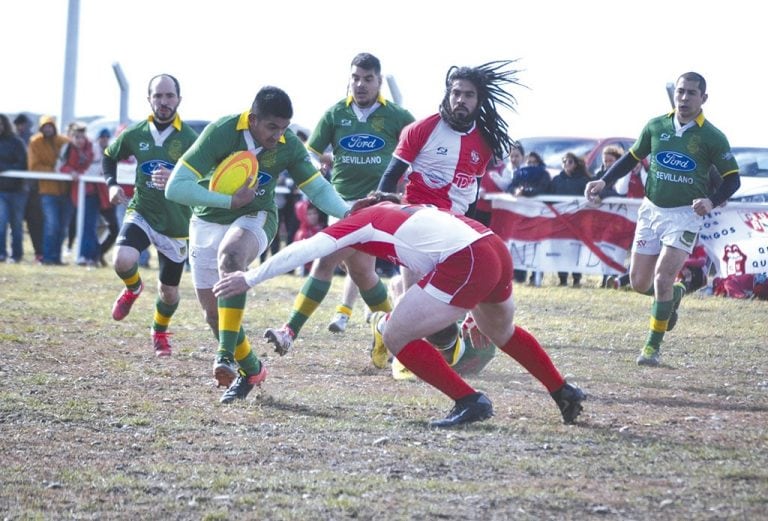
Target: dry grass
x,y
94,427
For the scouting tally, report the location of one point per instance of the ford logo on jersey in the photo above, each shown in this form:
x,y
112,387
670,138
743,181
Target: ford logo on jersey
x,y
263,179
676,161
362,143
148,167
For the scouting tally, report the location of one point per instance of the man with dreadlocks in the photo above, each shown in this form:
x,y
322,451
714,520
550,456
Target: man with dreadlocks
x,y
447,153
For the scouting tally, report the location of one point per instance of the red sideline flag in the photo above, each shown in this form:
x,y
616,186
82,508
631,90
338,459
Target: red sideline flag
x,y
566,236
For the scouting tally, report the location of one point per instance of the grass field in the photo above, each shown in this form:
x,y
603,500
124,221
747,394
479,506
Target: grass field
x,y
93,426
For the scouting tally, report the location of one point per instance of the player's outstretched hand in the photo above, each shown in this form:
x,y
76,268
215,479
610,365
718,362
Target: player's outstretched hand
x,y
230,285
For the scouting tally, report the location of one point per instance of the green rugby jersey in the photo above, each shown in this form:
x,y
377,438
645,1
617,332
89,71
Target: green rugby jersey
x,y
679,165
361,149
227,136
164,216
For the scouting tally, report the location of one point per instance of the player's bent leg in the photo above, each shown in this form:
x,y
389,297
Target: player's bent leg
x,y
209,304
449,342
127,268
417,316
238,248
642,273
125,257
496,322
312,292
666,301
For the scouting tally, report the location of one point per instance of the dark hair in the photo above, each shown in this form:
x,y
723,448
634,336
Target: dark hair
x,y
272,101
517,146
173,79
581,166
7,130
367,61
22,118
695,76
537,157
489,80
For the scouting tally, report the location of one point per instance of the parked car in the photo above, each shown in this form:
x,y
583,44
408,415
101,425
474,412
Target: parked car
x,y
753,169
753,161
552,149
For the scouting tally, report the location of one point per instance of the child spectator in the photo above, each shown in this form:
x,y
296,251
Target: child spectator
x,y
310,222
76,159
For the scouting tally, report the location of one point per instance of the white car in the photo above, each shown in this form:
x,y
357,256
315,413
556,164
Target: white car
x,y
753,170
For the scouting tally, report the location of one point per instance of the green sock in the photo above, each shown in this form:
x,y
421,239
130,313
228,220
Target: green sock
x,y
251,364
244,355
131,278
376,297
307,301
163,314
660,312
230,322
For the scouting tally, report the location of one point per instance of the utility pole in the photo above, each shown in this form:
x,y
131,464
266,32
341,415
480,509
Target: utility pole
x,y
70,66
397,97
671,93
122,81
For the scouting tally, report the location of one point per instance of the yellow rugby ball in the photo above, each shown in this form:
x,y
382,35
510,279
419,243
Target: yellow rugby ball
x,y
232,173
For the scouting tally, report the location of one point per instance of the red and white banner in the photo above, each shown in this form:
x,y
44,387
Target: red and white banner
x,y
565,236
571,236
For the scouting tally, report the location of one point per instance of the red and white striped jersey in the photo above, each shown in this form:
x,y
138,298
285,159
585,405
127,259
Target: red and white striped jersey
x,y
445,164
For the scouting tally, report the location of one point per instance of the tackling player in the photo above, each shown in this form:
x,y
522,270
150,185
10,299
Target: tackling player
x,y
467,268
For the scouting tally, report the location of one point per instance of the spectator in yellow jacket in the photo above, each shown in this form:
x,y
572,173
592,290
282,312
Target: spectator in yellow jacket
x,y
44,150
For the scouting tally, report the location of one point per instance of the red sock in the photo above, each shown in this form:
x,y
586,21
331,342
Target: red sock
x,y
424,361
524,348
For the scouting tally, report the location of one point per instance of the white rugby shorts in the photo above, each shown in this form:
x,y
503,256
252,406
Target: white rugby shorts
x,y
206,237
656,227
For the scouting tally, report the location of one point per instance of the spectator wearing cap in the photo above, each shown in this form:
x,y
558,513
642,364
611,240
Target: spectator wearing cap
x,y
44,149
23,127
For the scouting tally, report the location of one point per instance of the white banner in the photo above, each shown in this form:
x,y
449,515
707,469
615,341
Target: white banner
x,y
736,241
551,233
